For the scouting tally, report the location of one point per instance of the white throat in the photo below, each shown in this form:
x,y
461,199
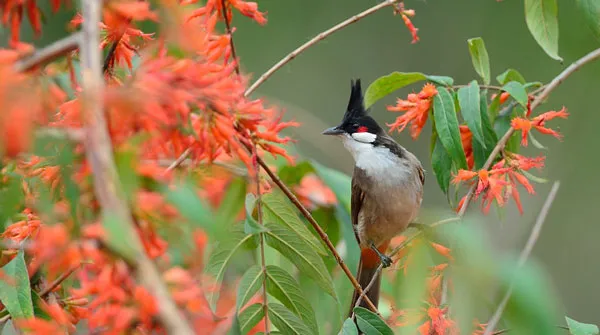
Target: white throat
x,y
373,160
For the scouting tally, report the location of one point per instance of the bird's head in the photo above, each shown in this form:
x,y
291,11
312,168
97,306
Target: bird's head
x,y
356,126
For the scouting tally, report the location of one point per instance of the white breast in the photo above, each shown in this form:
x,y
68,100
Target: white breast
x,y
378,162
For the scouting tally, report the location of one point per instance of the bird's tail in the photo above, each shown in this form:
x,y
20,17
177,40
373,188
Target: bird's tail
x,y
367,269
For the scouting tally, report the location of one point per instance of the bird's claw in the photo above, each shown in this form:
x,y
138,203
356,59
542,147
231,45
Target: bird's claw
x,y
386,261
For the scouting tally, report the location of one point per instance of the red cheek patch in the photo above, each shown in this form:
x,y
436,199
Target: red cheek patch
x,y
362,129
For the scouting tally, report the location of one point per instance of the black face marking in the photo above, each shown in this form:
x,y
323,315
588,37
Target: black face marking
x,y
356,114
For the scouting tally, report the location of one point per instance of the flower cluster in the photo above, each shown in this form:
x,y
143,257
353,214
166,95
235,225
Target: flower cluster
x,y
525,125
501,181
416,108
180,92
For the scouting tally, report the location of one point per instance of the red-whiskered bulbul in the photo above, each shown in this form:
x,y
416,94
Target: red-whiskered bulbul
x,y
387,188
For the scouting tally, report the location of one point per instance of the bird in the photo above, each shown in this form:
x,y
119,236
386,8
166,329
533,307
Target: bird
x,y
387,189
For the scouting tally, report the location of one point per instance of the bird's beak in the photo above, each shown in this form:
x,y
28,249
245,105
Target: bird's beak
x,y
333,131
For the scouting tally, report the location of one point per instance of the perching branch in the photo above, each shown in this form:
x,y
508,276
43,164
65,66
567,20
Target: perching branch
x,y
314,41
538,100
49,53
107,187
533,237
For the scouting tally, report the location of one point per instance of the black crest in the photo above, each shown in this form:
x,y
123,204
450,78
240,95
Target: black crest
x,y
356,105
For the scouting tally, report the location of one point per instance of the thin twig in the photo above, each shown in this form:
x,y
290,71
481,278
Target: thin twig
x,y
229,32
533,237
538,100
49,53
58,281
314,41
107,187
111,53
179,160
262,241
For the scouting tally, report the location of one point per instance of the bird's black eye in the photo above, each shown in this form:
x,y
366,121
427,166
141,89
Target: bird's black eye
x,y
355,126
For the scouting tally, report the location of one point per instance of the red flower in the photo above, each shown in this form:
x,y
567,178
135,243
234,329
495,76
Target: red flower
x,y
249,9
501,181
466,138
408,23
538,122
416,107
313,193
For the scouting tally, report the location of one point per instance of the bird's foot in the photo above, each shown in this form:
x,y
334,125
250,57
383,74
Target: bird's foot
x,y
386,261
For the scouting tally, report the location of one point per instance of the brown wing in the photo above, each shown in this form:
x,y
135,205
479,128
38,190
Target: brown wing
x,y
421,174
358,195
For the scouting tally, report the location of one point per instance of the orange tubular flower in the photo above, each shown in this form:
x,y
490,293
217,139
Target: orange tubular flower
x,y
411,27
313,193
11,12
417,109
538,122
466,138
501,181
249,9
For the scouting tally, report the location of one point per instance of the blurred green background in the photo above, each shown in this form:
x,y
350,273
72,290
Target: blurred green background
x,y
314,88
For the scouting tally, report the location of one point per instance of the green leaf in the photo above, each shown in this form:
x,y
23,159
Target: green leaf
x,y
542,20
231,204
11,197
251,316
277,209
591,11
292,175
442,165
370,324
189,205
121,237
468,99
510,75
501,126
349,328
284,287
385,85
517,91
15,290
235,329
441,80
480,58
533,177
579,328
38,308
250,225
220,258
535,142
249,285
301,253
339,183
480,153
535,84
446,125
532,307
286,321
